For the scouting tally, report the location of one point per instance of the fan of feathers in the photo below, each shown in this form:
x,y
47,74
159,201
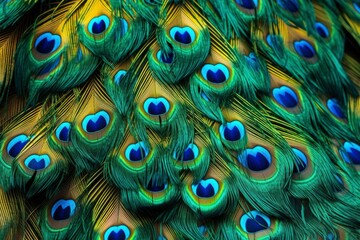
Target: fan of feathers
x,y
180,119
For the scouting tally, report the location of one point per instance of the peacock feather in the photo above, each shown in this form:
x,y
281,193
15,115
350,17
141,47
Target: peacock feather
x,y
180,119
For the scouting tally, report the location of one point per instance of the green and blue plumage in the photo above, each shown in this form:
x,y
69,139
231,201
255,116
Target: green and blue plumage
x,y
161,119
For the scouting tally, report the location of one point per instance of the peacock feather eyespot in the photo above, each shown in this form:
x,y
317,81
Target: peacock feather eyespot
x,y
37,162
120,232
254,221
203,229
118,76
206,188
334,107
248,4
304,49
252,60
16,144
232,131
96,122
322,30
289,5
255,159
63,132
285,96
47,43
165,58
183,35
136,152
330,236
350,152
191,152
271,39
156,106
301,161
156,186
99,24
218,73
63,209
177,119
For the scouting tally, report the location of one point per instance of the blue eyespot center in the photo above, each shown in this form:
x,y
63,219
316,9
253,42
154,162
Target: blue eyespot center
x,y
136,152
63,132
232,131
16,144
157,184
330,236
271,40
190,153
304,49
156,106
322,30
185,35
63,209
350,153
202,229
47,43
121,232
334,107
37,162
301,161
218,73
256,159
254,221
99,24
118,76
206,188
165,58
96,122
285,96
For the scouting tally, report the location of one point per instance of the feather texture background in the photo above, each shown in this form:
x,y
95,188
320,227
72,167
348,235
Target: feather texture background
x,y
180,119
